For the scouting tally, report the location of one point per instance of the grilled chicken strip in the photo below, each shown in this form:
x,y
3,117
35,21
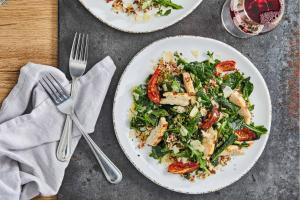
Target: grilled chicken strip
x,y
188,83
238,100
157,133
173,98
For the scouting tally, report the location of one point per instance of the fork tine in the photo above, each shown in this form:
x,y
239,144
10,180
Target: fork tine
x,y
82,47
54,89
64,92
58,92
72,54
50,94
50,85
77,51
86,48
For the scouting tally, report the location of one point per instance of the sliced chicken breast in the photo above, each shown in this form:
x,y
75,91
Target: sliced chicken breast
x,y
209,141
245,113
232,150
157,133
237,99
173,98
188,83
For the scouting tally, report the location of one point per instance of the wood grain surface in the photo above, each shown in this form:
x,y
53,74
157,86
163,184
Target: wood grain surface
x,y
28,33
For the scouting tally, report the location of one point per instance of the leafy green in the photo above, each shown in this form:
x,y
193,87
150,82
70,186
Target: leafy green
x,y
243,144
214,92
137,122
168,3
161,12
192,124
160,113
202,70
237,122
158,152
259,130
228,107
172,83
187,176
150,119
233,80
224,129
204,98
186,153
148,113
146,4
180,59
219,150
147,117
211,59
194,155
246,87
175,85
198,156
250,106
140,96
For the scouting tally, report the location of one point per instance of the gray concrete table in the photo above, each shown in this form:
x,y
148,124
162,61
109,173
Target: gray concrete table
x,y
276,55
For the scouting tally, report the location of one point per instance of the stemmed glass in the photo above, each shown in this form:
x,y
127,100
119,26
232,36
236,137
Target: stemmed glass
x,y
247,18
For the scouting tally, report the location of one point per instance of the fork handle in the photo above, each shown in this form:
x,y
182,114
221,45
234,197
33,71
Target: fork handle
x,y
111,172
63,152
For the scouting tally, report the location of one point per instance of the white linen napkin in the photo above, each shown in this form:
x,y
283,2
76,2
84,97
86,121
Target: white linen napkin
x,y
28,142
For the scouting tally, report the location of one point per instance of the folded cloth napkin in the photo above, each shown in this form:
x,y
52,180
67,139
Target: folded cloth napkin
x,y
28,142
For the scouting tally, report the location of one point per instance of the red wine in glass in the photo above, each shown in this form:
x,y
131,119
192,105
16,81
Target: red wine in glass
x,y
246,18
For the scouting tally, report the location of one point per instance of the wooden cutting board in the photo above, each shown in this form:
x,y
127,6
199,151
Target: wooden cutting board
x,y
28,32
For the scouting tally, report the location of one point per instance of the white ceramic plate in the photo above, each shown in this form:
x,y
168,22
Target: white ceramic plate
x,y
102,10
139,69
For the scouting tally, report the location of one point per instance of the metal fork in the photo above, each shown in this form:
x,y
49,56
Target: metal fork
x,y
64,104
77,65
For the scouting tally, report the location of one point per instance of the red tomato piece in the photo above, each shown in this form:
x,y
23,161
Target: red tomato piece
x,y
182,168
211,119
245,134
152,90
228,65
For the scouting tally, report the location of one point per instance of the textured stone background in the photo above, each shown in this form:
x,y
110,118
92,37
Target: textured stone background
x,y
276,55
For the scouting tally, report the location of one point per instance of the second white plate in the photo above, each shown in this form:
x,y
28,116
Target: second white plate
x,y
103,11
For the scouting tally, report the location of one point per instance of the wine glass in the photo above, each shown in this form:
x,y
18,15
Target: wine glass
x,y
247,18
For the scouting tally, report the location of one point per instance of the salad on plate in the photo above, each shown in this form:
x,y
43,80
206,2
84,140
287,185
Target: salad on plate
x,y
194,115
144,8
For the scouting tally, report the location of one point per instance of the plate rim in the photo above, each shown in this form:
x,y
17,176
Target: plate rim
x,y
269,118
166,25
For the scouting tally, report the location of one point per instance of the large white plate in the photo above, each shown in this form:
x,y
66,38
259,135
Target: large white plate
x,y
136,72
102,10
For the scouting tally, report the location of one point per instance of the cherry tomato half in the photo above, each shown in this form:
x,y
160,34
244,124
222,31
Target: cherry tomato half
x,y
228,65
152,89
182,168
245,134
211,119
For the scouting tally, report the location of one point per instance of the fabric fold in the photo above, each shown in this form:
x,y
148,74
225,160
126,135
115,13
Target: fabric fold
x,y
28,142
